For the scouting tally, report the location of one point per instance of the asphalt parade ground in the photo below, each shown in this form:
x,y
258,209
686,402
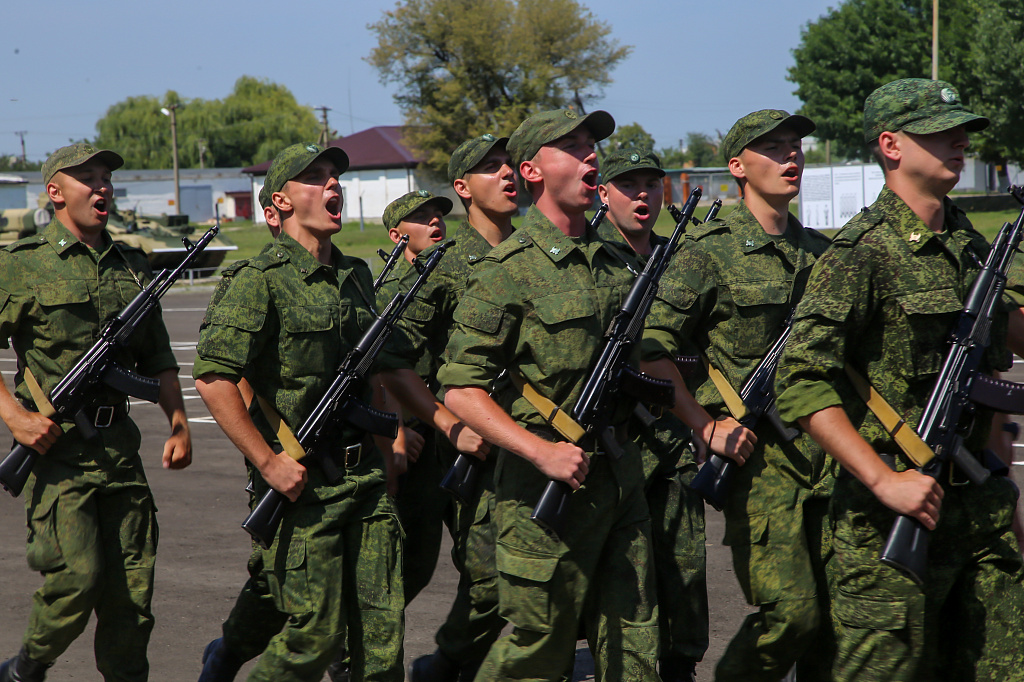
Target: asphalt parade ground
x,y
203,550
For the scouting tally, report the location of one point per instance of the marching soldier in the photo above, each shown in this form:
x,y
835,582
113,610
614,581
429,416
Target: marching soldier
x,y
91,518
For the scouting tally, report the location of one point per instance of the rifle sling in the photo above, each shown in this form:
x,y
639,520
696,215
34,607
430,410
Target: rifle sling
x,y
43,405
729,395
906,438
289,442
553,414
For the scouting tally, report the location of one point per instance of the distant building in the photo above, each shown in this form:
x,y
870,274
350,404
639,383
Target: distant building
x,y
715,181
381,169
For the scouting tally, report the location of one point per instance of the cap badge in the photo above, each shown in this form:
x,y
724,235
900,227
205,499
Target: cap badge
x,y
775,114
423,193
948,95
312,148
569,113
633,158
915,236
555,250
488,137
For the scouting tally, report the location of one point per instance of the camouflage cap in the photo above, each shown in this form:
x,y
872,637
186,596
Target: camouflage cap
x,y
919,106
758,123
292,160
471,152
548,126
629,159
401,207
77,154
264,197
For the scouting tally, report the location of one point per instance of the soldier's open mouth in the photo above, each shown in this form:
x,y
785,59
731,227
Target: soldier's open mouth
x,y
334,207
101,206
590,179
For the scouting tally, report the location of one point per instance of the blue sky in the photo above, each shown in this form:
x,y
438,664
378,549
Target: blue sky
x,y
695,66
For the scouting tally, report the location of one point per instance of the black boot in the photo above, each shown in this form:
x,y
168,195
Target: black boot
x,y
21,668
677,669
219,664
435,667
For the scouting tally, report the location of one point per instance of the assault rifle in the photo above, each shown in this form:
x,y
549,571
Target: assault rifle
x,y
460,481
958,388
72,394
339,402
612,375
390,260
756,400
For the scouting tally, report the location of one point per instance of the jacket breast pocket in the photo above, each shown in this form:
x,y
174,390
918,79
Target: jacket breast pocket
x,y
308,340
567,319
926,319
66,306
761,308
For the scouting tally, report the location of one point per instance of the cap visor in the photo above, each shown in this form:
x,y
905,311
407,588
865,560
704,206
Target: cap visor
x,y
600,124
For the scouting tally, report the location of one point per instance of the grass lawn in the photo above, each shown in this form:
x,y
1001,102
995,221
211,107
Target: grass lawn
x,y
250,238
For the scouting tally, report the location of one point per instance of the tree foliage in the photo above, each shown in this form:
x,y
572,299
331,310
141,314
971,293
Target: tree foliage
x,y
863,44
468,67
249,126
628,135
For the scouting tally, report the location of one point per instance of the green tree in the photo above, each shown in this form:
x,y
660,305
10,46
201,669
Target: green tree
x,y
249,126
468,67
629,135
862,44
701,150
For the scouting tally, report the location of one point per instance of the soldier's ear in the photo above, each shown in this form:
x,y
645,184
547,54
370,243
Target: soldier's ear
x,y
395,234
531,171
602,193
736,168
461,188
889,146
54,192
281,201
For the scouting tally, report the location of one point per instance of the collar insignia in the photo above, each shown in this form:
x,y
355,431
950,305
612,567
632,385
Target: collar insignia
x,y
555,250
915,236
750,242
63,241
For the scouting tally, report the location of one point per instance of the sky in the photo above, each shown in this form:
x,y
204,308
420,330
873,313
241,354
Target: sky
x,y
694,66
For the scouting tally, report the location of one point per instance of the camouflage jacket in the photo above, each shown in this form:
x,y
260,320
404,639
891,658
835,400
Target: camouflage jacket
x,y
538,305
727,293
884,298
286,322
56,294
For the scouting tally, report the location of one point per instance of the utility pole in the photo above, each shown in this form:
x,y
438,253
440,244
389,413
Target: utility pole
x,y
172,112
202,153
935,40
22,134
325,132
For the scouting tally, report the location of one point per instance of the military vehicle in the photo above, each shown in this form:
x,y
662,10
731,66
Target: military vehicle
x,y
159,236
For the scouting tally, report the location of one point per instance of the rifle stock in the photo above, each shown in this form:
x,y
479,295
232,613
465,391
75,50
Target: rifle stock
x,y
70,395
339,401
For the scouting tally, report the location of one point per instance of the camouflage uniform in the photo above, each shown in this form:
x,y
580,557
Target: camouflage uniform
x,y
333,566
884,299
727,293
473,622
92,528
539,307
677,515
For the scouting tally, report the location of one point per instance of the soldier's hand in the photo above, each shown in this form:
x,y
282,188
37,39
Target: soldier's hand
x,y
285,475
178,448
728,438
565,462
409,444
33,430
468,441
912,494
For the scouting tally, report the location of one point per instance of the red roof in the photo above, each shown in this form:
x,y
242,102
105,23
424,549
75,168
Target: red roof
x,y
378,147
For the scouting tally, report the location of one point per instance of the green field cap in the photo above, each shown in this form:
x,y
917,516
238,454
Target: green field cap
x,y
919,106
401,207
293,160
758,123
77,154
471,152
629,159
548,126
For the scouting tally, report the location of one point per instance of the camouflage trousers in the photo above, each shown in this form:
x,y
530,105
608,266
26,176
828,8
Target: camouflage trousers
x,y
964,623
92,533
777,526
254,619
474,623
598,575
680,564
424,510
334,570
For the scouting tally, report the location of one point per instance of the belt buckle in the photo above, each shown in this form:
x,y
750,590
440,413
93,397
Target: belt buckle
x,y
104,410
353,453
